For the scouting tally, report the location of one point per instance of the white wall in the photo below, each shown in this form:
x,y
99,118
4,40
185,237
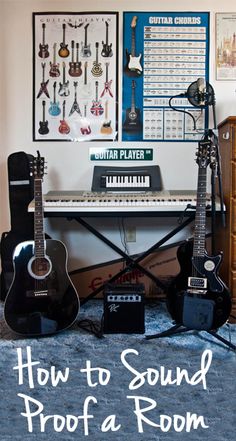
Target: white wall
x,y
68,163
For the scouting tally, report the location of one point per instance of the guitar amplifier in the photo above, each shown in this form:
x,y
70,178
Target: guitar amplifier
x,y
124,309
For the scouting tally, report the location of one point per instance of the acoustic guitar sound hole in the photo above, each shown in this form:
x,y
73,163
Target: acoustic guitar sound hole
x,y
39,267
132,115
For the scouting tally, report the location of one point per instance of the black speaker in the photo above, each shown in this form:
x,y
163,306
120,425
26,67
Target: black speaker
x,y
124,309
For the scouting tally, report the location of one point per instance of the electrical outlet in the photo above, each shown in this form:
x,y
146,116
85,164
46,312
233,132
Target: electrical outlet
x,y
130,234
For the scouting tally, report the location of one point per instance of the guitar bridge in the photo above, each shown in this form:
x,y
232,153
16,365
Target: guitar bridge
x,y
197,282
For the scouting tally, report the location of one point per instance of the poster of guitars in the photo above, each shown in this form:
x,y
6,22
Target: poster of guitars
x,y
75,85
163,53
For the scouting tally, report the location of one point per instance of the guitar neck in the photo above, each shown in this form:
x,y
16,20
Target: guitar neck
x,y
85,73
54,53
39,238
200,217
106,33
133,99
43,40
133,43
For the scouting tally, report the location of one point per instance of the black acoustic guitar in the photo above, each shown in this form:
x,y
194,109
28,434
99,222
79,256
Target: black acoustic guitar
x,y
132,121
198,298
42,299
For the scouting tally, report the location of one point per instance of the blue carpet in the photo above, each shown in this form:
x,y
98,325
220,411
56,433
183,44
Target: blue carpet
x,y
207,391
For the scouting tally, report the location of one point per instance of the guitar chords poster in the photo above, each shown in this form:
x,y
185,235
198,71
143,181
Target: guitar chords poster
x,y
163,54
75,84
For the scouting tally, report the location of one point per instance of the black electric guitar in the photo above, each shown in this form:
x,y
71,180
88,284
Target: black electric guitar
x,y
43,48
133,66
198,298
43,125
42,299
132,120
106,47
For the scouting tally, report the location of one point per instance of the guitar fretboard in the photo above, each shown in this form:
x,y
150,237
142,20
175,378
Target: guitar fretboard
x,y
200,218
38,219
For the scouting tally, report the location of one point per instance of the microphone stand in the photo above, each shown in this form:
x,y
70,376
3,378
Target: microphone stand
x,y
216,172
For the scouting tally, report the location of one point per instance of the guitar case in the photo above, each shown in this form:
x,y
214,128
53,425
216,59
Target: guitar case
x,y
21,192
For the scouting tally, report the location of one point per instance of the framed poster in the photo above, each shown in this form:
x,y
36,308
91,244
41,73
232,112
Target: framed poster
x,y
75,85
226,46
164,52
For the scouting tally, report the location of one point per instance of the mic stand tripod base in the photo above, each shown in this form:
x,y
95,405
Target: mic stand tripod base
x,y
178,328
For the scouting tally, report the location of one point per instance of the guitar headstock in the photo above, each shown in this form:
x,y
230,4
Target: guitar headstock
x,y
37,167
204,154
134,21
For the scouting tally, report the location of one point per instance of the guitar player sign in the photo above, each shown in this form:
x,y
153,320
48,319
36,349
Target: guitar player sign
x,y
75,76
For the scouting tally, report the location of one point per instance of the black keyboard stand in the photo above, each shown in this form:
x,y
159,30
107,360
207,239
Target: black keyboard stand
x,y
130,262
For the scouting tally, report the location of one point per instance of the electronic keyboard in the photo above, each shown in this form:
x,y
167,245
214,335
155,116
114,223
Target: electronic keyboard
x,y
86,202
139,178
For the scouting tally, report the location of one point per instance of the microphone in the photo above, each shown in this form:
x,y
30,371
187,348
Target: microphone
x,y
201,91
